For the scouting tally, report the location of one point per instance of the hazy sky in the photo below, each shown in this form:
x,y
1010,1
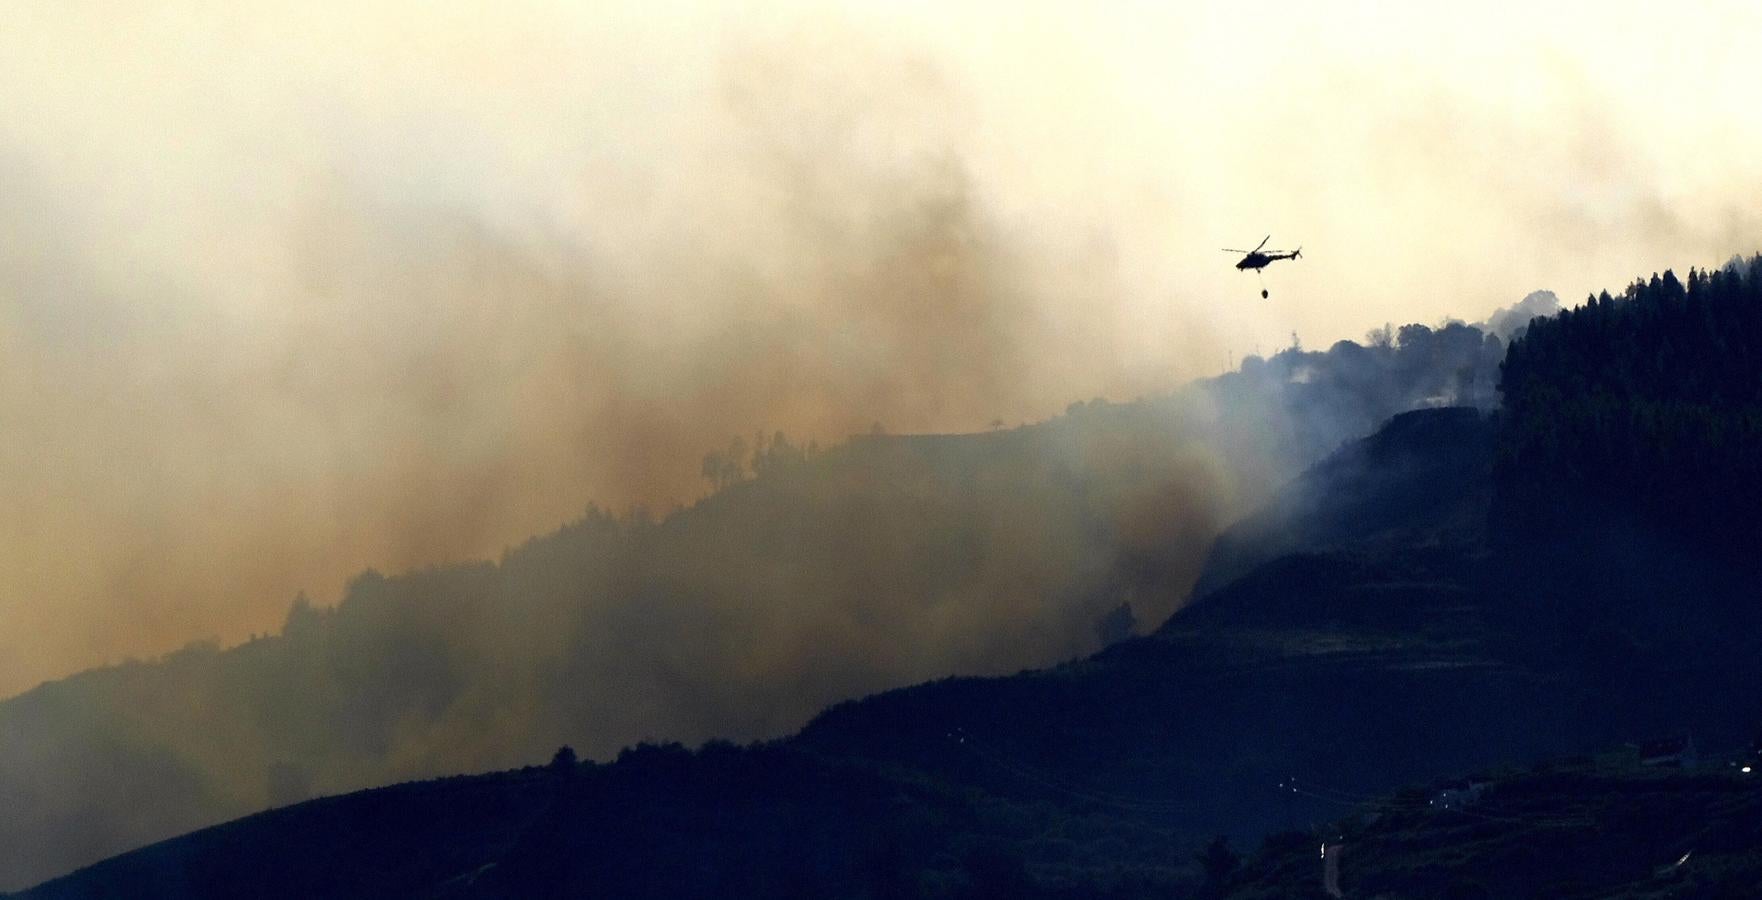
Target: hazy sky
x,y
291,290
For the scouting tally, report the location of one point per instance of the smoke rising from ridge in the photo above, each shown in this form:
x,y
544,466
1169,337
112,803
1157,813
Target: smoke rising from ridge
x,y
289,293
409,382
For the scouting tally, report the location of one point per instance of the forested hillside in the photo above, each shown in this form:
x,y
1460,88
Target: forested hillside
x,y
808,576
1366,663
1400,613
1628,503
1646,406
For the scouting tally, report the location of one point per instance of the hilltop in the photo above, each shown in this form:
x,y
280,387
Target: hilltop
x,y
1453,593
808,577
1102,773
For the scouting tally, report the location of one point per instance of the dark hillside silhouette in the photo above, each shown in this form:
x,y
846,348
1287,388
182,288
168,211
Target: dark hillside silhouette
x,y
1584,826
1359,662
1377,638
1629,473
794,586
1422,479
1647,407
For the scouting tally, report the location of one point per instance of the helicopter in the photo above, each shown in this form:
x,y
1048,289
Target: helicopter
x,y
1257,260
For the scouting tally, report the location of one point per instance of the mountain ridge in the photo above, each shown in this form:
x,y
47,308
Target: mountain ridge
x,y
792,587
1360,666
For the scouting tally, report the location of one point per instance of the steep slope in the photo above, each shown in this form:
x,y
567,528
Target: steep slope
x,y
1423,479
808,578
1385,673
1370,662
738,618
1378,655
1372,628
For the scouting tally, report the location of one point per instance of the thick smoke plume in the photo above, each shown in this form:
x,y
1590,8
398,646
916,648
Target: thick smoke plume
x,y
809,577
287,293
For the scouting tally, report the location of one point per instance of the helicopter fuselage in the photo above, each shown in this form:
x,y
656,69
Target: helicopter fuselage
x,y
1258,260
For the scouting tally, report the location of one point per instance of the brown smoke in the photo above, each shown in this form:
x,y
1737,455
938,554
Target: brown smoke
x,y
285,293
423,385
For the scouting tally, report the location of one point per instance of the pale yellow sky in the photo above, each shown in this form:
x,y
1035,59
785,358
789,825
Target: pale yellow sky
x,y
290,290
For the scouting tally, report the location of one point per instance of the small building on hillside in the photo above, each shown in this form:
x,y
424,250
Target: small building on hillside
x,y
1458,793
